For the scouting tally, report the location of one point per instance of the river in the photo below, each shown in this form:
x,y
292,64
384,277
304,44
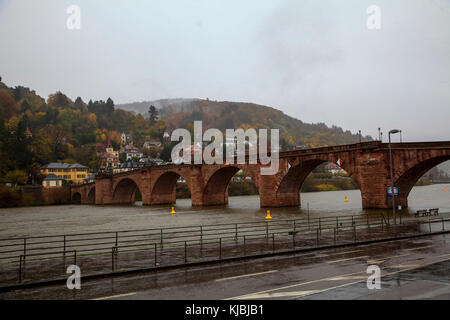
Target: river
x,y
47,220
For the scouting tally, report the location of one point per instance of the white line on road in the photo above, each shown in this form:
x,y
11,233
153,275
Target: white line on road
x,y
418,248
245,275
116,296
348,259
245,296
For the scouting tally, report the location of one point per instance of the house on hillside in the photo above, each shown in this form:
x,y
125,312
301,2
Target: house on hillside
x,y
131,152
126,139
333,169
109,158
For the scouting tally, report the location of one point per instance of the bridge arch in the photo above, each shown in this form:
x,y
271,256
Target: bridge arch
x,y
76,198
216,185
408,178
125,191
164,188
290,185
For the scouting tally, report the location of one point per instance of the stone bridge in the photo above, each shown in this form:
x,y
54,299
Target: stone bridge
x,y
367,163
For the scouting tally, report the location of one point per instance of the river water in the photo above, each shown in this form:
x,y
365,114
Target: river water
x,y
47,220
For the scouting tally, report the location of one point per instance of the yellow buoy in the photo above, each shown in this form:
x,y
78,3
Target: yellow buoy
x,y
346,199
268,217
173,210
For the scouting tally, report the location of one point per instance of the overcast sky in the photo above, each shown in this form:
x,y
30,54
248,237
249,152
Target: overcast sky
x,y
314,60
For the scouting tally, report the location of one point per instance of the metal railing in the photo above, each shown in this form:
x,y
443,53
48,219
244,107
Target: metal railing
x,y
101,242
180,245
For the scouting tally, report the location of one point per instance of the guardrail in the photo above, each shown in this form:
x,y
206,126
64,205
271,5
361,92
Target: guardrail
x,y
98,242
181,245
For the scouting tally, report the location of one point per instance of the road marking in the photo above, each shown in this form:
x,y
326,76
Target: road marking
x,y
348,259
380,261
418,248
287,287
246,275
401,266
341,278
116,296
335,254
385,275
242,297
282,294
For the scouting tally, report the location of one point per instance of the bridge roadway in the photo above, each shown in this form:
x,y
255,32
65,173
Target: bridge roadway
x,y
366,163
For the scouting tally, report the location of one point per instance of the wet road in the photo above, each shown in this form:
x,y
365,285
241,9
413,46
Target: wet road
x,y
339,273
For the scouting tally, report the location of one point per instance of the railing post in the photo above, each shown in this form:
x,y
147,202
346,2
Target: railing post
x,y
293,240
20,268
443,225
245,247
75,257
24,249
334,233
185,252
337,224
273,242
236,233
308,215
267,229
294,227
354,233
201,238
117,238
161,236
429,223
320,227
64,246
317,238
156,255
112,258
220,248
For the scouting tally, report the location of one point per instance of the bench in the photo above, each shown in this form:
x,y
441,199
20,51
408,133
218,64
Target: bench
x,y
421,213
434,212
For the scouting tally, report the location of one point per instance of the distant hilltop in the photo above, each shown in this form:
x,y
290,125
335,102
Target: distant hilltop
x,y
181,113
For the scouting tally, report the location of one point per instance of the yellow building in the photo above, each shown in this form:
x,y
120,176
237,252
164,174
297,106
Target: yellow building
x,y
74,173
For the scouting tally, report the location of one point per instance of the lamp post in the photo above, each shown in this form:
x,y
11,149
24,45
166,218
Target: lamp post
x,y
379,134
394,131
360,137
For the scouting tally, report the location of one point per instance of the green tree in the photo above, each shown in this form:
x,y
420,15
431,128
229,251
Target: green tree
x,y
16,177
153,115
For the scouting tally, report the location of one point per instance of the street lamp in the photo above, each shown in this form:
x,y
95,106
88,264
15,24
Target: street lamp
x,y
360,137
394,131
